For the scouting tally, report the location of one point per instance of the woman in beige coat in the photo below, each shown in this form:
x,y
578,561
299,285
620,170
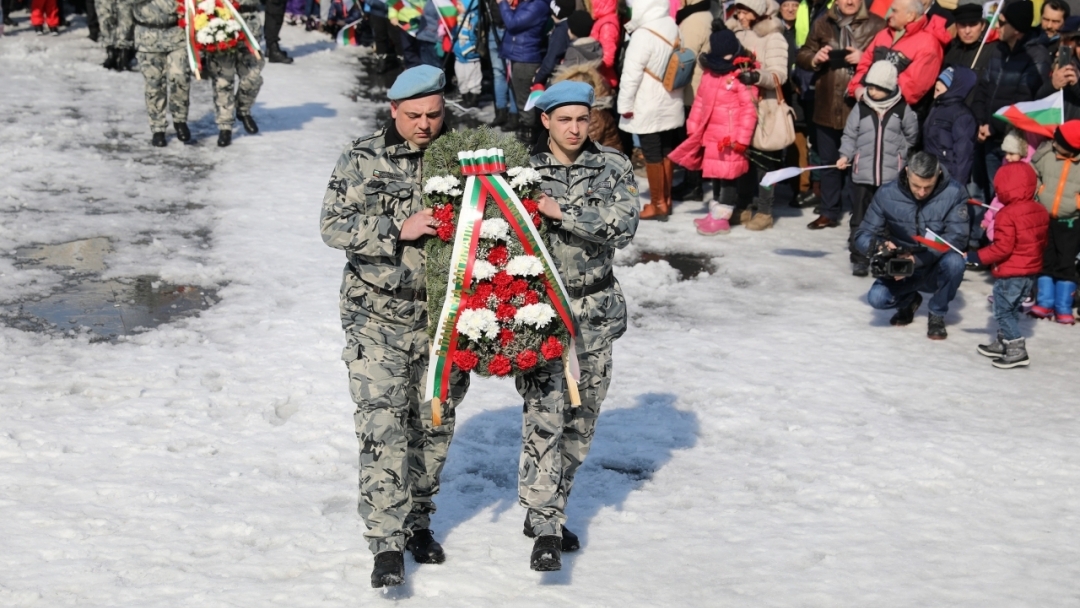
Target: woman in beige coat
x,y
760,30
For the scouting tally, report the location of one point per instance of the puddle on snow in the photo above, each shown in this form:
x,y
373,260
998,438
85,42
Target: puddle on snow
x,y
689,265
107,308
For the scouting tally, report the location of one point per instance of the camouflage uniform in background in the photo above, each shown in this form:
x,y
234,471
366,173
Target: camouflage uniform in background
x,y
599,201
117,23
162,55
223,69
373,190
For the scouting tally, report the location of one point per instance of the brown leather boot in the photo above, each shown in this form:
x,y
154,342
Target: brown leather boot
x,y
653,209
669,176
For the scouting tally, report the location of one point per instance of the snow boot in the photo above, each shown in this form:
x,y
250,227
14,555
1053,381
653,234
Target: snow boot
x,y
274,54
1063,302
183,133
760,221
511,123
389,569
158,140
935,327
224,138
425,549
716,220
745,216
905,315
249,123
994,349
546,554
112,56
1015,355
1044,298
501,115
653,210
570,542
689,189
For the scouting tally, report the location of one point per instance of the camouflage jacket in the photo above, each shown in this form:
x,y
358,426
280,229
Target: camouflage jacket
x,y
156,29
599,201
374,188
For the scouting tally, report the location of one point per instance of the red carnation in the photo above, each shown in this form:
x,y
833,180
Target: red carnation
x,y
551,348
501,279
445,231
537,220
482,290
527,359
505,312
503,293
506,336
519,287
531,297
444,213
498,255
466,360
500,365
530,205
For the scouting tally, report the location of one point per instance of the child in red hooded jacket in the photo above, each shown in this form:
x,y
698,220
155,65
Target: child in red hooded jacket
x,y
1015,257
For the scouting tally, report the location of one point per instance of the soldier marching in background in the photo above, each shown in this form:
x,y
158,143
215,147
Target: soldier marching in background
x,y
117,31
232,100
162,55
373,209
590,193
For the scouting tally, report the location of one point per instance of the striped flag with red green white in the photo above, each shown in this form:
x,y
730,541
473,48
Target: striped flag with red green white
x,y
934,241
1041,116
347,35
448,19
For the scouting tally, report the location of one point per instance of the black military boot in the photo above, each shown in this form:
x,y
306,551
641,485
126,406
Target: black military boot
x,y
500,117
275,55
224,138
511,124
546,554
183,133
570,542
158,140
905,315
119,64
249,123
389,569
111,57
425,549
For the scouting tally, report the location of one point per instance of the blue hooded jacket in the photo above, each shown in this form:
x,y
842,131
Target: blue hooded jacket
x,y
524,38
950,129
895,215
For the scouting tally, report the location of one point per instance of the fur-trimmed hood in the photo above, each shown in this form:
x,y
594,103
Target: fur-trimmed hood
x,y
589,74
770,24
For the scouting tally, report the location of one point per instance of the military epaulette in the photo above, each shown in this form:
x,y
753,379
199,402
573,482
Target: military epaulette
x,y
370,145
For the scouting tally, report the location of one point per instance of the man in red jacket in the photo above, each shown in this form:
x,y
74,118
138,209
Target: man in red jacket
x,y
906,44
1016,258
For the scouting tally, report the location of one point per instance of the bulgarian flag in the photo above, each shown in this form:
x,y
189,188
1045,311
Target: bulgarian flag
x,y
1039,116
934,241
448,20
347,35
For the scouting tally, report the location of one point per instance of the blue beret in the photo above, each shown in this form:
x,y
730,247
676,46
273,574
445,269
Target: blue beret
x,y
421,81
565,93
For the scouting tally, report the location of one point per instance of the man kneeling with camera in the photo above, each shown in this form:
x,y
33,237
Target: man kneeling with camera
x,y
923,197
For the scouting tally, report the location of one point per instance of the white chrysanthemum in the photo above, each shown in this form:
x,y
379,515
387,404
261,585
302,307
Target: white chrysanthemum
x,y
206,6
495,228
524,266
478,323
524,178
483,270
221,36
513,171
204,36
441,184
536,315
456,192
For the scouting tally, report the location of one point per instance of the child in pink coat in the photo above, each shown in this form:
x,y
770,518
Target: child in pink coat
x,y
719,129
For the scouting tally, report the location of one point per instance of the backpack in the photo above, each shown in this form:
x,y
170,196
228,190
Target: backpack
x,y
680,65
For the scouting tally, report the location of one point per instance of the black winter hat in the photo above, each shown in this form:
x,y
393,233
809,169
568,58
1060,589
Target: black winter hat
x,y
562,9
721,44
968,13
1020,15
581,23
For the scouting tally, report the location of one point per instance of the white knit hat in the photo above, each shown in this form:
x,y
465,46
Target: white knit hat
x,y
1014,143
758,7
882,75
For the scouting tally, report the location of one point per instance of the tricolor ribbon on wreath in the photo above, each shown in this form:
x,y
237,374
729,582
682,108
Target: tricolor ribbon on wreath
x,y
484,183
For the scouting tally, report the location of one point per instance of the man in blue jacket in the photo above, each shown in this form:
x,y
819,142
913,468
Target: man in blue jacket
x,y
523,45
924,197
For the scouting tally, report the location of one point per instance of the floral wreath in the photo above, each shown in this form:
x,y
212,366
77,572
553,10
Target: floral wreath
x,y
216,26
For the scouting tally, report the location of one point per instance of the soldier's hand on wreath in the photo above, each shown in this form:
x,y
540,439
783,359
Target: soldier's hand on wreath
x,y
749,77
548,207
419,224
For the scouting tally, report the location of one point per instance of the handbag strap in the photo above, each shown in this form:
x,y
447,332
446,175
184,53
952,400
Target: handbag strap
x,y
779,91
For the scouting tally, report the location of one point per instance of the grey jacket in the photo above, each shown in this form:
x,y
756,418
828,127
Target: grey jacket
x,y
877,148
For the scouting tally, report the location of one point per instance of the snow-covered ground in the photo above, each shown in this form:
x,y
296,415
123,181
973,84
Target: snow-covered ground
x,y
768,440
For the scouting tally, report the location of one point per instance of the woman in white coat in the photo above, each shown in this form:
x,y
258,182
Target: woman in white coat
x,y
758,27
647,108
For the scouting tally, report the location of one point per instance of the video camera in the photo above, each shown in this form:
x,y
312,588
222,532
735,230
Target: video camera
x,y
885,262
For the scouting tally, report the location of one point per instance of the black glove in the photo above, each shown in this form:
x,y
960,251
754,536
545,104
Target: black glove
x,y
749,78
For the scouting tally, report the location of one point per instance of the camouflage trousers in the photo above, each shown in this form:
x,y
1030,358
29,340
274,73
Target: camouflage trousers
x,y
556,437
231,99
116,22
168,82
401,452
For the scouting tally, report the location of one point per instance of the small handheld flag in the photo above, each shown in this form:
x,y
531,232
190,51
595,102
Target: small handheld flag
x,y
935,242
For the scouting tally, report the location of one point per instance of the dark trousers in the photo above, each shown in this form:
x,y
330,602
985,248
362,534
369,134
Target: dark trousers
x,y
1062,245
386,41
861,195
521,81
751,194
656,146
91,19
832,180
942,279
275,17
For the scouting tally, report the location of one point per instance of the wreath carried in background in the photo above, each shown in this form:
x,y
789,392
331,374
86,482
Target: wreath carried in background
x,y
215,27
497,304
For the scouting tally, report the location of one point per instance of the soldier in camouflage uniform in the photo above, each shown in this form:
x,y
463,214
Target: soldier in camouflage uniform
x,y
373,210
162,54
117,32
590,193
232,100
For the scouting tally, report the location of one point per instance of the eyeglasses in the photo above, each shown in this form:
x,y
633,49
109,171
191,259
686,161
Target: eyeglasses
x,y
1001,22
